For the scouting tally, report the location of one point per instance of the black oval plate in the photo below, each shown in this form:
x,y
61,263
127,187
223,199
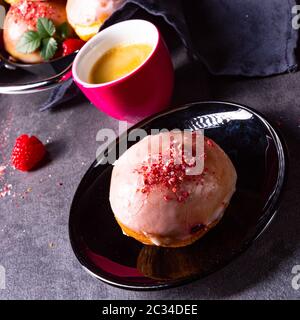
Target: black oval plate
x,y
259,156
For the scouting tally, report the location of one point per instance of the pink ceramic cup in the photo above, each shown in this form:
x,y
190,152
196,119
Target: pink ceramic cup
x,y
141,93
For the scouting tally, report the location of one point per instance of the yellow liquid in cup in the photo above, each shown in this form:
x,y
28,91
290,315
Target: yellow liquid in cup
x,y
119,61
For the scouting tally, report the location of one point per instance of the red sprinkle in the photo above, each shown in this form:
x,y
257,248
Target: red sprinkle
x,y
209,143
169,175
185,194
30,11
2,170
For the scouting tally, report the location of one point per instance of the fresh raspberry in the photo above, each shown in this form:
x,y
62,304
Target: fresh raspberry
x,y
71,45
27,152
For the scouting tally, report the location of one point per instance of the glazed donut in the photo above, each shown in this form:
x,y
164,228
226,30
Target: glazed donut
x,y
22,17
159,202
86,17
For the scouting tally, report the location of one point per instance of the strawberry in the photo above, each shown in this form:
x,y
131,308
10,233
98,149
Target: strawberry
x,y
71,45
27,152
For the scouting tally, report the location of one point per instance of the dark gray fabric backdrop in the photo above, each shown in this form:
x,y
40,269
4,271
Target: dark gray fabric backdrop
x,y
236,37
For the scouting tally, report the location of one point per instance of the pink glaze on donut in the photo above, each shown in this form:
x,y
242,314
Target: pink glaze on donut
x,y
146,199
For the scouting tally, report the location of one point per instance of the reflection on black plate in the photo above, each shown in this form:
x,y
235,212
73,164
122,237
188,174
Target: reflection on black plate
x,y
260,160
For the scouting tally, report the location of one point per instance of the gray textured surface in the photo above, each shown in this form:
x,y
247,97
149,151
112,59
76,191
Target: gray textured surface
x,y
34,244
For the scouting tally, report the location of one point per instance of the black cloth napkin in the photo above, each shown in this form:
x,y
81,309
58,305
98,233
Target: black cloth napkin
x,y
237,37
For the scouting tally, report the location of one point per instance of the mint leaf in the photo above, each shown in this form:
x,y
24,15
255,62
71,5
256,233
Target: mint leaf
x,y
45,28
49,48
29,42
64,30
